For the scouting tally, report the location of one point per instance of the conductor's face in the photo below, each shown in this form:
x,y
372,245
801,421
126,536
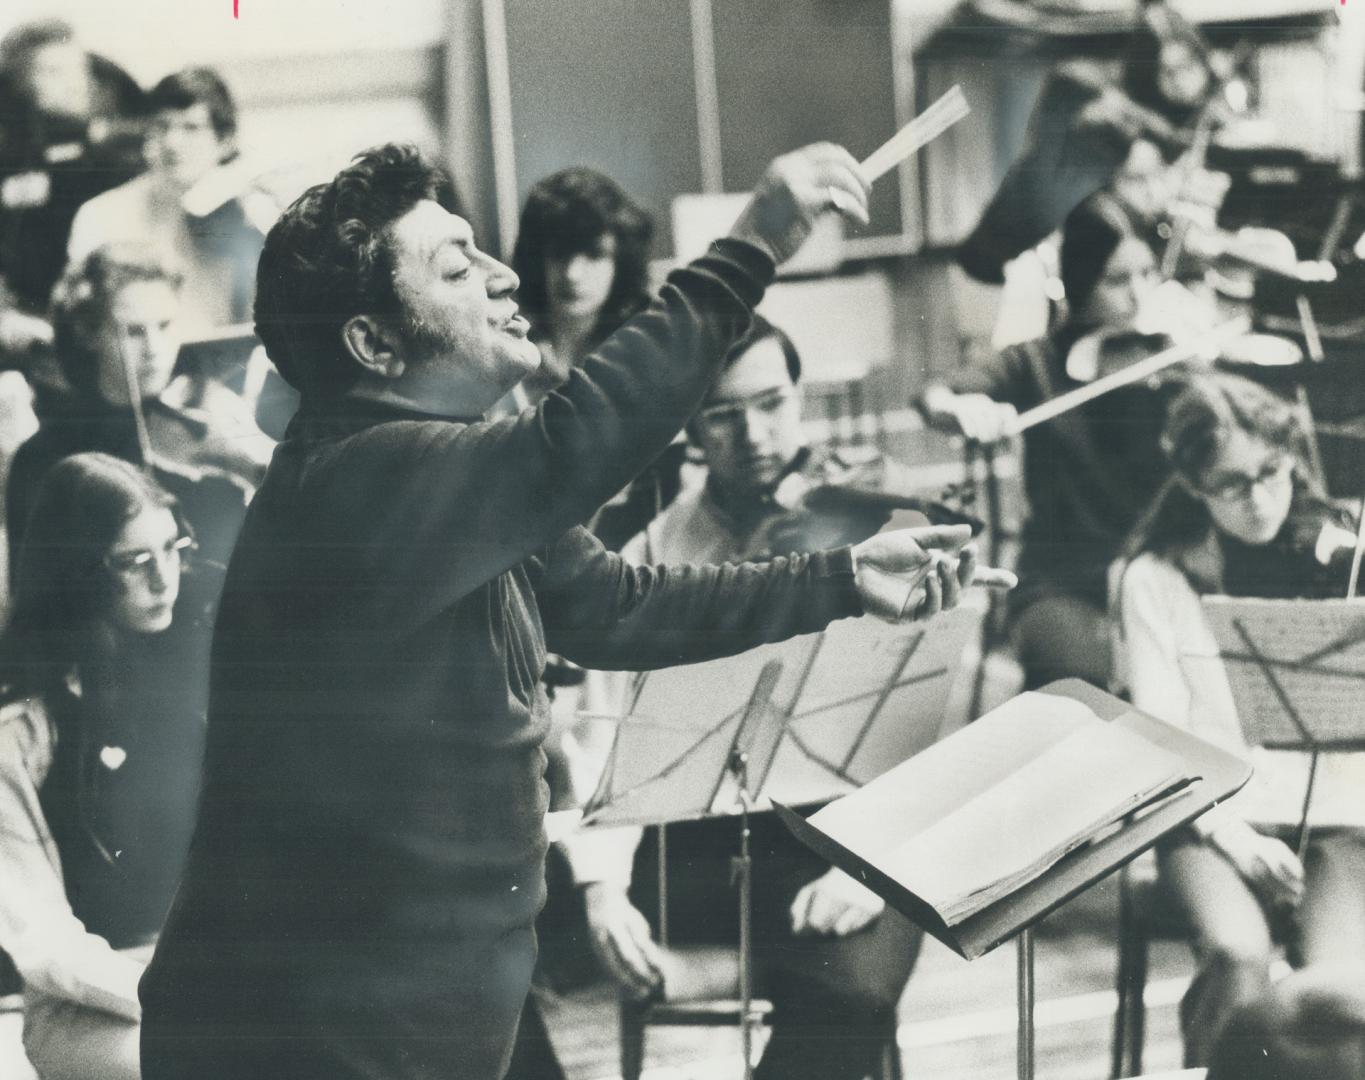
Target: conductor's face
x,y
462,342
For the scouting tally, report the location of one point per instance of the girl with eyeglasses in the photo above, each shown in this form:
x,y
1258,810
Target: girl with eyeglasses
x,y
1243,516
103,672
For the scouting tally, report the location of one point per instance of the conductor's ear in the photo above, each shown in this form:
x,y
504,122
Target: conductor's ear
x,y
370,343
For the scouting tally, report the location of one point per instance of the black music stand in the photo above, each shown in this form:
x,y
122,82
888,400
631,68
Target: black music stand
x,y
1217,774
1297,673
800,721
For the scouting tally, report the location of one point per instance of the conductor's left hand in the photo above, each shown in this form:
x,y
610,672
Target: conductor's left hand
x,y
834,904
913,574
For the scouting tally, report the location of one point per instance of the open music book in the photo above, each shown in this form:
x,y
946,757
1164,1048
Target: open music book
x,y
977,816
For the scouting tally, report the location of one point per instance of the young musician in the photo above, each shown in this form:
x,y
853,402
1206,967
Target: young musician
x,y
1083,129
104,677
1087,473
582,257
1243,516
827,954
369,859
191,136
70,128
117,324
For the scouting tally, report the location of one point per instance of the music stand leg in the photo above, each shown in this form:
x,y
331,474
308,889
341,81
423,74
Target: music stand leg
x,y
741,873
1025,996
1304,828
1309,324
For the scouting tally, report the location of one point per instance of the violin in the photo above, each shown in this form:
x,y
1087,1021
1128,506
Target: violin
x,y
181,448
1140,366
1259,249
828,514
1112,104
948,507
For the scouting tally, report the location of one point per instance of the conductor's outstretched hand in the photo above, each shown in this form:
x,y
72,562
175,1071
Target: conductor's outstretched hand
x,y
910,574
795,190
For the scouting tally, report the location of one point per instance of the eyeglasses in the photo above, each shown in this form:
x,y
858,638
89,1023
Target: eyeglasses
x,y
129,564
1239,488
767,405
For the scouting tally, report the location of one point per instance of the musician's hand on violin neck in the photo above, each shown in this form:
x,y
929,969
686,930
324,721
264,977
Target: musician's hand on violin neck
x,y
976,417
20,332
1204,188
911,574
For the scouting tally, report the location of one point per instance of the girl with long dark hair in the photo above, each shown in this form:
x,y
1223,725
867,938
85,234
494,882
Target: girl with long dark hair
x,y
582,256
1242,515
103,670
1087,473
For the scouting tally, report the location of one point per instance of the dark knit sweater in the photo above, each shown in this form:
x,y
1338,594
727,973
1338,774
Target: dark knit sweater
x,y
122,824
368,862
1087,474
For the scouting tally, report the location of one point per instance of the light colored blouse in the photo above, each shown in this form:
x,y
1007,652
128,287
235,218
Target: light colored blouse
x,y
1174,672
53,951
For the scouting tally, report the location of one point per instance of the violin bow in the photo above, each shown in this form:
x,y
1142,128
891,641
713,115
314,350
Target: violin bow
x,y
144,438
1143,369
1357,555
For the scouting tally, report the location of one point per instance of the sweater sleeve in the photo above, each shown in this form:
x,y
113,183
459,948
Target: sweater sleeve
x,y
1151,622
82,239
50,947
482,498
601,612
1003,377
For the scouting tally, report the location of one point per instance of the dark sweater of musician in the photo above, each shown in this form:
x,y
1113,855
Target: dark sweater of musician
x,y
1089,471
57,154
1087,474
369,858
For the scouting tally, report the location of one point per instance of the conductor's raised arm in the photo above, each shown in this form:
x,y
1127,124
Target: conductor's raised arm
x,y
502,490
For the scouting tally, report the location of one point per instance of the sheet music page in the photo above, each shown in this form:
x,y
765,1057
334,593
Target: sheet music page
x,y
874,696
878,818
658,773
676,732
1015,830
847,704
1315,650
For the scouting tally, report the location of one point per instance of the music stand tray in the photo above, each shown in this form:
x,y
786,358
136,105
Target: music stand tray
x,y
1217,774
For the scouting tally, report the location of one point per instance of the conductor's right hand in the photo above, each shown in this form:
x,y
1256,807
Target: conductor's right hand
x,y
911,574
795,190
621,939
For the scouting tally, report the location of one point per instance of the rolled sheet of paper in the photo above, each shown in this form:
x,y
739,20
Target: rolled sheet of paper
x,y
922,130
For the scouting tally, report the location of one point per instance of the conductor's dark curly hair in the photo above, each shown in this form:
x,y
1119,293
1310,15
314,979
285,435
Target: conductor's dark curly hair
x,y
329,258
568,213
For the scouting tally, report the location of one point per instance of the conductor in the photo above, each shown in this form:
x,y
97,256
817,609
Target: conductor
x,y
368,862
